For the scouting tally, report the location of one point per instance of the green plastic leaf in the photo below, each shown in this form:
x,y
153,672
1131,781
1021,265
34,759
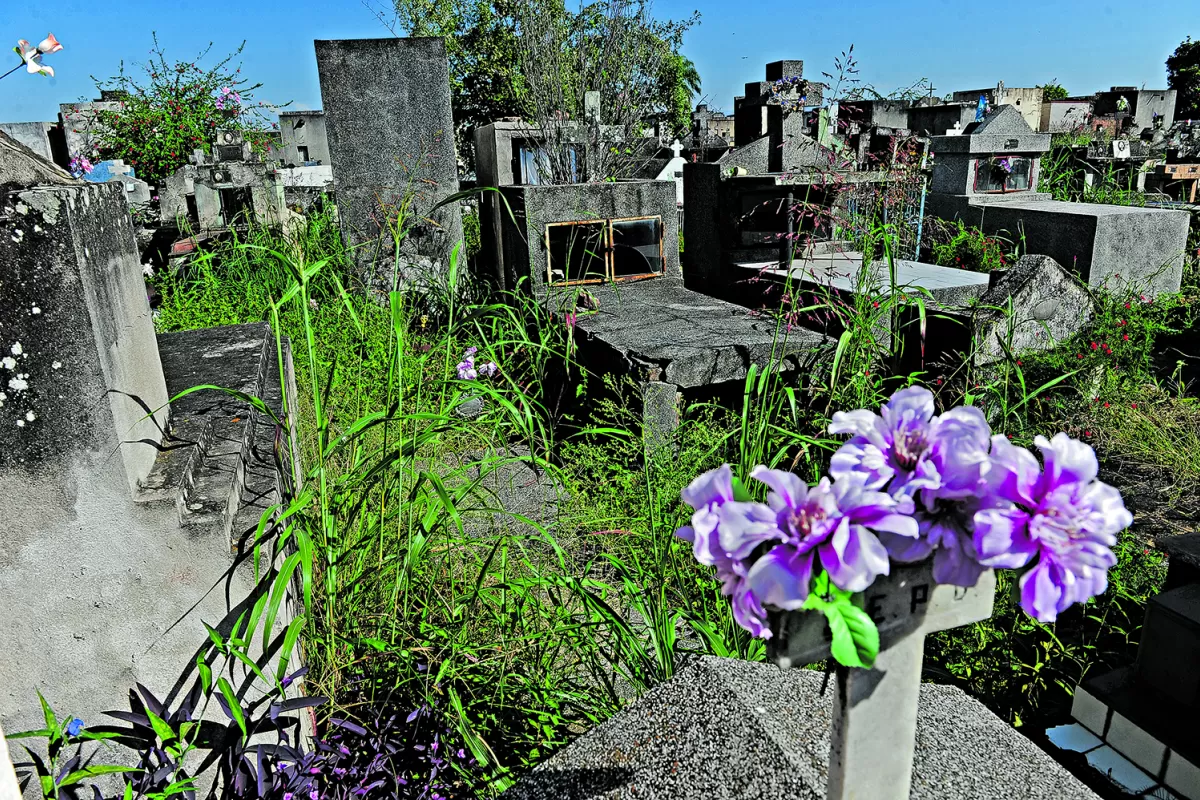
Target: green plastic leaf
x,y
855,637
740,492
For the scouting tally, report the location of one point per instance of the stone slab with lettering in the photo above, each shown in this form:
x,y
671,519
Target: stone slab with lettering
x,y
905,602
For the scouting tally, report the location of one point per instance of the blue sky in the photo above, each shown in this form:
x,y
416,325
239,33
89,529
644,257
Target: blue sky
x,y
1085,45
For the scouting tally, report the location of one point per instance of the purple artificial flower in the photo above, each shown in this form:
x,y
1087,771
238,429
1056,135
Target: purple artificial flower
x,y
711,497
470,351
888,447
834,521
489,369
954,465
939,460
466,370
1061,514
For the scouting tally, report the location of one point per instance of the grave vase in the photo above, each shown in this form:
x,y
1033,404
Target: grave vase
x,y
873,735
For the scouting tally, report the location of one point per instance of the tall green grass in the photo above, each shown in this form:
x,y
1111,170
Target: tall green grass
x,y
524,631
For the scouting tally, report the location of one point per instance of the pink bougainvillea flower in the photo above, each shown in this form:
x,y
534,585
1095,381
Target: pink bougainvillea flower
x,y
49,45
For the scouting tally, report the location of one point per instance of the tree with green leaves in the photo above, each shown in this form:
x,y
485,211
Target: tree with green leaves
x,y
1053,91
489,68
680,85
172,109
1183,75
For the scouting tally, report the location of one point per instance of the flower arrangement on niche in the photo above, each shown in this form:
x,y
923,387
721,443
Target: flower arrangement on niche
x,y
909,486
31,56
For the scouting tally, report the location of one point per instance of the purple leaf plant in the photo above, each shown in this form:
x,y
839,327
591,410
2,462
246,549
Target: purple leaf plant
x,y
908,486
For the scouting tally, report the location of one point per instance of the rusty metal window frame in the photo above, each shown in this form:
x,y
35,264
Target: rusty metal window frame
x,y
605,248
606,244
662,234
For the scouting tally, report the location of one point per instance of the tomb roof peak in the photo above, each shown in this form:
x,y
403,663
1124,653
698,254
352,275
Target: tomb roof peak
x,y
1002,120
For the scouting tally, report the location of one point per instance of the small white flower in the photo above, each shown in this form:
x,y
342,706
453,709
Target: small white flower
x,y
8,362
37,228
20,423
18,384
148,270
36,311
17,349
56,365
30,416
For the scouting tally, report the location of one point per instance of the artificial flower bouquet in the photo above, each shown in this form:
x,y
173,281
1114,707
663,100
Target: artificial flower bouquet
x,y
908,486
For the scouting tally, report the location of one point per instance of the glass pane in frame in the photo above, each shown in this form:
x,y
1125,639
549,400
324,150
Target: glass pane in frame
x,y
576,252
637,247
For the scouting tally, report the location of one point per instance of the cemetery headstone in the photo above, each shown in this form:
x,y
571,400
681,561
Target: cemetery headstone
x,y
391,145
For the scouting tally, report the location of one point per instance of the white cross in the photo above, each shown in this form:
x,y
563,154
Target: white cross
x,y
676,148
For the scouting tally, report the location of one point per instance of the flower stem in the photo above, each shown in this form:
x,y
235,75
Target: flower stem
x,y
11,71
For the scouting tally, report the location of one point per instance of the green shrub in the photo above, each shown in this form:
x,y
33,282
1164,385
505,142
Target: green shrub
x,y
970,248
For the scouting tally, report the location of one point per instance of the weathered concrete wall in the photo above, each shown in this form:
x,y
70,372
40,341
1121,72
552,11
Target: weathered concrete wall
x,y
391,134
303,129
493,168
753,157
81,126
1064,115
75,307
1106,246
701,226
90,582
536,206
34,135
936,120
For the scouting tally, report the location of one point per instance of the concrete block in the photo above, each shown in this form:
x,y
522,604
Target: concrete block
x,y
1183,776
390,130
1047,306
1136,744
1089,711
660,414
523,232
74,324
734,729
690,339
1107,246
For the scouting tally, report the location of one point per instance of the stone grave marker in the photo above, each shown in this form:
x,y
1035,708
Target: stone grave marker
x,y
391,142
875,710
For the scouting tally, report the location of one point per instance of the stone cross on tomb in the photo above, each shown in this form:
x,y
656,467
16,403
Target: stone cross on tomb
x,y
676,148
875,710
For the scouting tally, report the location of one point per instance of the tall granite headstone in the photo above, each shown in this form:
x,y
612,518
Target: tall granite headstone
x,y
391,145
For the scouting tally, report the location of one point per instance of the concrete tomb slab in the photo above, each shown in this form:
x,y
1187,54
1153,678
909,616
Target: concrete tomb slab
x,y
1047,306
661,331
728,728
